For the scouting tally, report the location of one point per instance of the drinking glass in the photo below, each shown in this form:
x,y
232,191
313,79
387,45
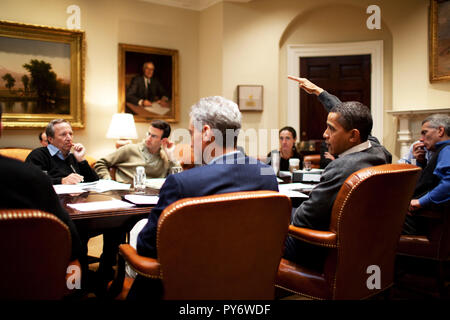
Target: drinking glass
x,y
307,165
139,180
174,170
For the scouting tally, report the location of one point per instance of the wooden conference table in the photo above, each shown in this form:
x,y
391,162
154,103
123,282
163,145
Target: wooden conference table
x,y
102,220
124,218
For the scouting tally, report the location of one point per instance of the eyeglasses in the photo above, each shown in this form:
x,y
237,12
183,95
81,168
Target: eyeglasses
x,y
154,136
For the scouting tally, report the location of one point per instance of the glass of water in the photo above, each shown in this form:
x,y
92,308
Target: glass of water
x,y
139,180
174,170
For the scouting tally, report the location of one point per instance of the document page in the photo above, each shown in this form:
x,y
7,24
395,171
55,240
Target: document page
x,y
100,205
141,199
97,186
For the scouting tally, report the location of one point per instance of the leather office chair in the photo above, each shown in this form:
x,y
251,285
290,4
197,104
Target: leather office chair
x,y
90,160
15,153
225,246
366,222
35,248
433,245
314,159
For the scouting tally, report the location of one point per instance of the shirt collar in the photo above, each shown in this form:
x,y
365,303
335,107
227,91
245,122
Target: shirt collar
x,y
223,156
440,143
54,150
358,148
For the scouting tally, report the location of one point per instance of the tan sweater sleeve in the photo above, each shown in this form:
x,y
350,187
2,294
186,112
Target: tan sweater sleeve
x,y
103,164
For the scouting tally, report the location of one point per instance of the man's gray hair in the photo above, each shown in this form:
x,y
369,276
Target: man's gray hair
x,y
50,130
221,114
439,120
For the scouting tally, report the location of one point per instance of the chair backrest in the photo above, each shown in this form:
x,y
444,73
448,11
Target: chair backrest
x,y
368,216
90,160
314,159
35,248
225,246
15,153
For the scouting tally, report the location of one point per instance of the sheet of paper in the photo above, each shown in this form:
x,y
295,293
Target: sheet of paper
x,y
97,186
68,188
141,199
106,185
155,183
284,174
100,205
157,108
293,194
292,189
311,177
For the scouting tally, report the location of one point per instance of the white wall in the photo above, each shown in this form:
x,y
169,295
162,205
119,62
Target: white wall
x,y
230,44
108,23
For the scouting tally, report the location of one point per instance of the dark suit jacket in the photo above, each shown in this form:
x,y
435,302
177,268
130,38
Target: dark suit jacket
x,y
23,186
234,173
315,213
136,90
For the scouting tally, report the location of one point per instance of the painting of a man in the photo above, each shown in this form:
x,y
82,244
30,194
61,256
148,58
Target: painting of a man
x,y
148,83
144,89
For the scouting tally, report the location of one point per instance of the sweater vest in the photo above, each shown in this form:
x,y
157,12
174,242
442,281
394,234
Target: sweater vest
x,y
428,181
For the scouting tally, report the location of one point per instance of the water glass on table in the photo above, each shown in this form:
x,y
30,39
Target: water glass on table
x,y
139,180
307,165
175,170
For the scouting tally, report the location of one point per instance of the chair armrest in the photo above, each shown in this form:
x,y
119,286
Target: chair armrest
x,y
319,238
147,267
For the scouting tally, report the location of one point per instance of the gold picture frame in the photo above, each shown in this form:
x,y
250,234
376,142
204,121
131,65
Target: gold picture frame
x,y
439,40
41,75
131,83
250,97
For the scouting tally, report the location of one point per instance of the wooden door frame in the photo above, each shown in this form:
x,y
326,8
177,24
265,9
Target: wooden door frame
x,y
374,48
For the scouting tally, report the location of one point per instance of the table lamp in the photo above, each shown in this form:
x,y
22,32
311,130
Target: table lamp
x,y
122,127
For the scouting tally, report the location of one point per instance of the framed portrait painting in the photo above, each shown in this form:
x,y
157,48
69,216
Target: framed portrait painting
x,y
439,40
41,75
250,97
148,83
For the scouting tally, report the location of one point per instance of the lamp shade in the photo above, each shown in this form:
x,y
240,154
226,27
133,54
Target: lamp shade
x,y
122,127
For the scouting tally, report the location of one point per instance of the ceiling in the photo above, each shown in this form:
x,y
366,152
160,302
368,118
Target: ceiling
x,y
197,5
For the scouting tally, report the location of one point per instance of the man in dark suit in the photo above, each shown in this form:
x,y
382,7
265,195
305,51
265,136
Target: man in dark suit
x,y
214,127
144,89
348,138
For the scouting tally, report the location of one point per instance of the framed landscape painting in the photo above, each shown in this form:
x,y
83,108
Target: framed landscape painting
x,y
41,75
439,40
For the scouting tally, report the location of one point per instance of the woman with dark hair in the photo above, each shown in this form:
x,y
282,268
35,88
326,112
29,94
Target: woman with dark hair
x,y
288,137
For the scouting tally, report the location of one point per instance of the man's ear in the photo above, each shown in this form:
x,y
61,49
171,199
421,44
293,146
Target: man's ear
x,y
355,136
207,133
441,131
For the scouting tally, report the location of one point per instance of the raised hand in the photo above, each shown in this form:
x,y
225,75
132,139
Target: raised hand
x,y
79,151
307,85
169,148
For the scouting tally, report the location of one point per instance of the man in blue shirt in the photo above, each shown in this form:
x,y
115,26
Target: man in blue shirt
x,y
433,187
417,155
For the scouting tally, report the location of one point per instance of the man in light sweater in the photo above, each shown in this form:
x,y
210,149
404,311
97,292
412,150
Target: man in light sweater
x,y
155,153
